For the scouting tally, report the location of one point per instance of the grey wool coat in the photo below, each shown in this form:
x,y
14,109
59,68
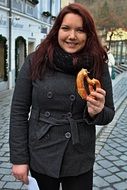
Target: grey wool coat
x,y
50,128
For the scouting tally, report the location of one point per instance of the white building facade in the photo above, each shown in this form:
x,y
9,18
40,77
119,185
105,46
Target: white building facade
x,y
23,25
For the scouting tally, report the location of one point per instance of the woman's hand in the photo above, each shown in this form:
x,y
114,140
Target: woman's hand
x,y
95,105
20,172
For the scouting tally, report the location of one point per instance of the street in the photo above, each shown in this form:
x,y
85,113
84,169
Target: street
x,y
110,169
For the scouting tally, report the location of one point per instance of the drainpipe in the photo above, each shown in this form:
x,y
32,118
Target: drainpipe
x,y
60,5
10,47
50,10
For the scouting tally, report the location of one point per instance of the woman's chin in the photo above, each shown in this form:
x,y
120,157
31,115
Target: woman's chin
x,y
71,50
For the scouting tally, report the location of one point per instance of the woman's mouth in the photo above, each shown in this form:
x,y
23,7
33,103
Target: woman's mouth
x,y
71,44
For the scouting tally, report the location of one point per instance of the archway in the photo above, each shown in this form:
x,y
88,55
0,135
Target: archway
x,y
20,53
3,59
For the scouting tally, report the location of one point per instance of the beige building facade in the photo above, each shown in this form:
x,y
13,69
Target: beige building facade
x,y
66,2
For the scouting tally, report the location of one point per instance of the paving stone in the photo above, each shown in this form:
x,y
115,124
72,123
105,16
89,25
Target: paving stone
x,y
99,157
102,172
120,163
121,149
5,165
107,147
104,163
2,183
104,152
124,168
5,171
115,152
114,169
13,185
122,175
95,188
112,158
100,182
120,186
24,187
4,159
8,178
112,179
97,167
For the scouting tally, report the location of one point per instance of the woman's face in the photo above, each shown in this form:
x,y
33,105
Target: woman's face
x,y
71,36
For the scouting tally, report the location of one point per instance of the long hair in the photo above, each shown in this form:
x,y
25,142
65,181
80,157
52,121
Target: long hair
x,y
43,56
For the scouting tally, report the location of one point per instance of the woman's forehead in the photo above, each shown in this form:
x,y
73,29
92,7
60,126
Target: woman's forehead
x,y
72,19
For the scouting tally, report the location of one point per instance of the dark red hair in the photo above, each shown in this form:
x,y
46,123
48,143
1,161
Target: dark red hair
x,y
46,48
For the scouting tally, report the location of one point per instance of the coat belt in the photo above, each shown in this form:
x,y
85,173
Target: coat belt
x,y
53,122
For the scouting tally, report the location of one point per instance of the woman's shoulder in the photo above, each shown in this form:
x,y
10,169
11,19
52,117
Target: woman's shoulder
x,y
28,60
30,56
26,66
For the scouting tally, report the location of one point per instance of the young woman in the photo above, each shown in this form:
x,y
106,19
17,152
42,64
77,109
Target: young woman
x,y
52,129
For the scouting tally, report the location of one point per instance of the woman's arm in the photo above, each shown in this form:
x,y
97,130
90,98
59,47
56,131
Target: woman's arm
x,y
100,111
21,102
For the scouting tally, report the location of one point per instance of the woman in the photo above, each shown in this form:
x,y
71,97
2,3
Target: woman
x,y
111,61
52,129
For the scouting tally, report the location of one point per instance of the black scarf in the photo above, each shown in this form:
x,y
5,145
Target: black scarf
x,y
72,63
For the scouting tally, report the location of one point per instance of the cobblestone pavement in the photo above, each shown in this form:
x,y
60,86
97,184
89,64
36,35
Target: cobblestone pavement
x,y
110,170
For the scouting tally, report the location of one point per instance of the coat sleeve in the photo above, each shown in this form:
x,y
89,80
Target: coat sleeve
x,y
20,107
108,112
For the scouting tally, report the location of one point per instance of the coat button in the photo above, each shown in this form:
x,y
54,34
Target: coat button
x,y
69,114
49,94
68,135
72,97
47,114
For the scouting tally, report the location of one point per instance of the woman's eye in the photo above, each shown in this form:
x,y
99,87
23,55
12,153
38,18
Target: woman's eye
x,y
80,30
64,28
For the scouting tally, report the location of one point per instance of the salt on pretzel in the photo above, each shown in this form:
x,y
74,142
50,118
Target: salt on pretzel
x,y
80,82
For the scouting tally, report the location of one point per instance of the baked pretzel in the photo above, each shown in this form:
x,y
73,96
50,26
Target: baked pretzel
x,y
92,84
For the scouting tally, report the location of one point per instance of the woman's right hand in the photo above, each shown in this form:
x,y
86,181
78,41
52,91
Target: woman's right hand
x,y
20,172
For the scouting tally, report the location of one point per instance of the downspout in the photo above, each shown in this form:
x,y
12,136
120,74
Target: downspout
x,y
50,10
10,43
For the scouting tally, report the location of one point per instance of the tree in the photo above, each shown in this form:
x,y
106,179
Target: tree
x,y
109,15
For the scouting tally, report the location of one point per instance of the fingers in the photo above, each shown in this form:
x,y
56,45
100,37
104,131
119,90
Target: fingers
x,y
20,172
99,96
99,93
23,178
96,104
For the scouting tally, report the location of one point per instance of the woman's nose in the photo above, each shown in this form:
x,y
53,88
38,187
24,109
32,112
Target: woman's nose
x,y
72,34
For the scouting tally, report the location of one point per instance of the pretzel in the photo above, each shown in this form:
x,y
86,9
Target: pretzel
x,y
92,84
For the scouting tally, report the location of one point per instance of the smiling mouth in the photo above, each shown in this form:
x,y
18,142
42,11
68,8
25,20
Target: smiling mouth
x,y
71,44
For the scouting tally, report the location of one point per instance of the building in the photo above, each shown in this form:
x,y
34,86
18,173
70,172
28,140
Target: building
x,y
23,25
66,2
118,42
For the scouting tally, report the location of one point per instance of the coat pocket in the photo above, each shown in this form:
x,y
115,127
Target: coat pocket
x,y
39,132
42,130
